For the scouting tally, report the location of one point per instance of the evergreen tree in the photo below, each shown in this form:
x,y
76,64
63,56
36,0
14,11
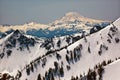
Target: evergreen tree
x,y
56,66
68,67
71,54
100,72
39,77
94,75
72,78
58,43
61,71
89,77
52,77
32,68
67,58
68,40
43,78
8,53
89,49
58,56
27,70
109,61
103,63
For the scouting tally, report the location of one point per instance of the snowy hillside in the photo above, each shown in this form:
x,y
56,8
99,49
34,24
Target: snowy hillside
x,y
111,69
16,50
69,24
17,45
87,53
71,57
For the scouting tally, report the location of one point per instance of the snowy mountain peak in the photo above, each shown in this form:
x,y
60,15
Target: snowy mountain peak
x,y
73,15
16,32
32,23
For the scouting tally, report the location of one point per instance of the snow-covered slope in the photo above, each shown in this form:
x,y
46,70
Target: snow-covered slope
x,y
86,52
20,46
112,71
17,50
62,58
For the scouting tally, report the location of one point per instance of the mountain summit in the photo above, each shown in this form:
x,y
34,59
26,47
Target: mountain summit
x,y
73,13
71,16
75,17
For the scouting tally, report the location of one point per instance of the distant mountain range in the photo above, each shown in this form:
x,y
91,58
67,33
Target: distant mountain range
x,y
71,23
80,56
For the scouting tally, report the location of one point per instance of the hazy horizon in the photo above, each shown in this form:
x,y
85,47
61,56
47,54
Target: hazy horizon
x,y
46,11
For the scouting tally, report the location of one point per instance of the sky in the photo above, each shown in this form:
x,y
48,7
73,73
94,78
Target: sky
x,y
14,12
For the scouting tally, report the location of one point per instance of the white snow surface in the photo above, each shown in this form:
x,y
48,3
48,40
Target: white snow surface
x,y
18,60
87,60
112,71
